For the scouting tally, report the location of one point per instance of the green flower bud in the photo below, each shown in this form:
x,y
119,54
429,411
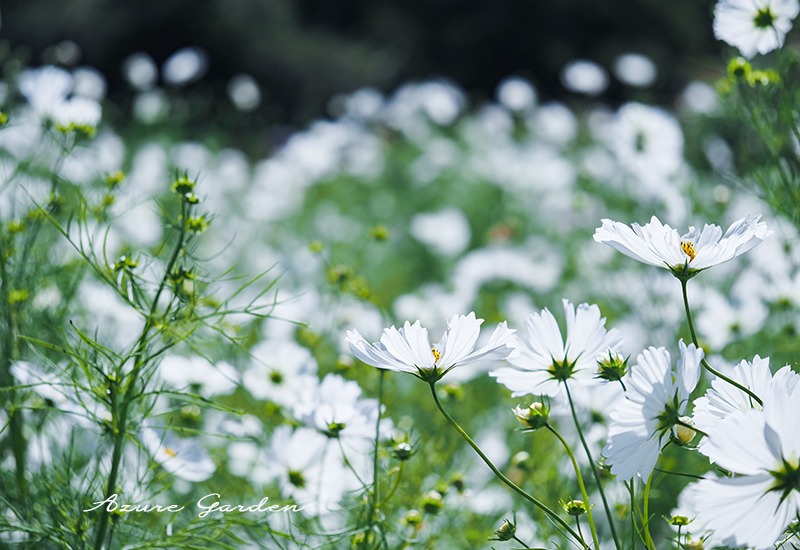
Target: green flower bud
x,y
113,179
680,521
16,226
612,368
402,451
534,416
183,186
574,507
197,224
413,518
506,531
432,502
739,68
379,232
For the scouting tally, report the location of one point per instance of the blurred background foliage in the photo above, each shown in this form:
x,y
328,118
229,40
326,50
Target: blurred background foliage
x,y
303,53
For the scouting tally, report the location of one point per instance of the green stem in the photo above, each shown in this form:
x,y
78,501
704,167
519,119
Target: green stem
x,y
120,416
374,502
10,353
584,494
634,527
703,361
502,476
648,539
595,472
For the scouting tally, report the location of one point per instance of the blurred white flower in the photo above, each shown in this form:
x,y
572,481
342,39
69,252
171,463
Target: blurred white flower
x,y
660,245
80,112
648,142
337,410
724,319
585,77
655,400
185,66
754,26
516,94
762,448
184,457
446,231
140,71
313,478
89,83
546,359
280,371
196,373
45,88
635,69
244,92
409,349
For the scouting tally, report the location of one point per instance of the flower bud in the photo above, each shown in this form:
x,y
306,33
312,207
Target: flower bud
x,y
693,544
533,417
402,451
432,502
379,232
413,517
612,367
574,507
679,521
739,68
183,186
506,531
681,433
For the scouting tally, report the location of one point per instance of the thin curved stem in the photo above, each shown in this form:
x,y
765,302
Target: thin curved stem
x,y
595,473
584,494
501,476
703,361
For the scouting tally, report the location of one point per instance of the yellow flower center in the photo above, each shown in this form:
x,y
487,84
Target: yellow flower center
x,y
436,355
689,249
170,452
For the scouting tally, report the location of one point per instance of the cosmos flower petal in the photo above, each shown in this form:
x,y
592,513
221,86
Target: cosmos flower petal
x,y
623,239
376,355
460,338
738,443
742,511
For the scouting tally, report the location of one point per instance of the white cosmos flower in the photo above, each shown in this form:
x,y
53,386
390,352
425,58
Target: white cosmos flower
x,y
648,142
754,26
546,359
660,245
723,399
184,457
655,400
763,449
307,470
409,349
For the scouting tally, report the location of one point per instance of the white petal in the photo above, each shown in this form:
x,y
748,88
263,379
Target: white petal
x,y
459,340
739,444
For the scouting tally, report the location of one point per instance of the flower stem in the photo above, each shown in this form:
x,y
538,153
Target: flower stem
x,y
584,494
595,473
703,361
555,517
119,412
648,539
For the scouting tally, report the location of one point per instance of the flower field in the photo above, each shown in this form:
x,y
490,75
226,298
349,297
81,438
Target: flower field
x,y
426,321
